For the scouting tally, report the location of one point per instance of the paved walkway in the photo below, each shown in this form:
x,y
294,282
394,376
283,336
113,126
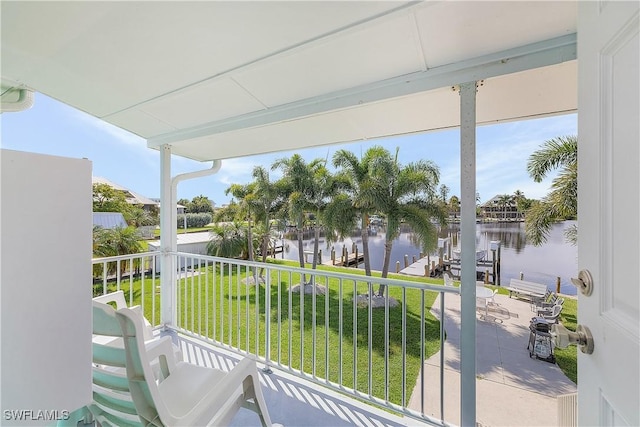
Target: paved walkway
x,y
511,388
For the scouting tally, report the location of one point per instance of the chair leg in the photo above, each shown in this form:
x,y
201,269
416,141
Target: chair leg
x,y
253,389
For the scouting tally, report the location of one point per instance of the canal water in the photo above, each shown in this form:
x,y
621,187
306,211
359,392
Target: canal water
x,y
542,264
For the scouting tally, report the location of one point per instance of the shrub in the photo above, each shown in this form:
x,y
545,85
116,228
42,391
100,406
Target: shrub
x,y
194,220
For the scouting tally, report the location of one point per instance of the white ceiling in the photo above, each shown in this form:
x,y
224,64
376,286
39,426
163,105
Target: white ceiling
x,y
227,79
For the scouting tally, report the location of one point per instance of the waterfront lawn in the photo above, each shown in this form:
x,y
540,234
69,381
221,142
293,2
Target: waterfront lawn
x,y
219,307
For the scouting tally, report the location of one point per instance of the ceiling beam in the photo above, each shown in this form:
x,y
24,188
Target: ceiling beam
x,y
535,55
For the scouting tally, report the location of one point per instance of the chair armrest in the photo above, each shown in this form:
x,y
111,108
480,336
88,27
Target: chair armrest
x,y
224,391
148,329
117,297
164,351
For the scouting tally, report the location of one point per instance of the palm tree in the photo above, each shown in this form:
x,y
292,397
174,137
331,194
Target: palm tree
x,y
522,203
267,199
444,193
562,201
454,205
298,182
324,187
406,194
504,200
228,241
342,213
246,210
139,217
116,241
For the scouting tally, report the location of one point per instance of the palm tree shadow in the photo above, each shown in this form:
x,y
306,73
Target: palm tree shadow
x,y
396,324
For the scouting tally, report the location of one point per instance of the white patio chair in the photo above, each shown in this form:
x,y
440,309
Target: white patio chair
x,y
552,315
491,300
187,395
448,280
117,301
112,403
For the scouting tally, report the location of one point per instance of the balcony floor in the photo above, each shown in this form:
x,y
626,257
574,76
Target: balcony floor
x,y
291,400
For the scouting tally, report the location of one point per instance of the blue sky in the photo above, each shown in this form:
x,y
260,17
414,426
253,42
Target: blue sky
x,y
51,127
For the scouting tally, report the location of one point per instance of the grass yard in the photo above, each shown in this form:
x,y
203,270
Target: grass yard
x,y
216,305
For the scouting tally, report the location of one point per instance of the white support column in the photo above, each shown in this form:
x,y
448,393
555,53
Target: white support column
x,y
467,253
168,243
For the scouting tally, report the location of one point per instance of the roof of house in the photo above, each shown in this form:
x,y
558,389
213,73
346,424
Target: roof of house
x,y
109,220
131,196
495,201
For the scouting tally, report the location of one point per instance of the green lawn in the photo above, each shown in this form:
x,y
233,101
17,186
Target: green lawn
x,y
240,322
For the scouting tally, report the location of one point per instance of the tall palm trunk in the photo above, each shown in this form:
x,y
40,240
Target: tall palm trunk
x,y
265,241
301,250
316,243
250,239
388,244
365,251
364,232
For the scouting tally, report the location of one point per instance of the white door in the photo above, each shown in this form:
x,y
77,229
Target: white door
x,y
608,210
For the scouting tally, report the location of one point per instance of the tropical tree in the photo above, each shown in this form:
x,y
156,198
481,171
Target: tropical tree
x,y
454,205
228,241
522,203
405,194
113,242
200,204
108,199
323,188
227,213
297,181
504,201
562,201
444,193
267,199
246,211
185,203
139,217
355,201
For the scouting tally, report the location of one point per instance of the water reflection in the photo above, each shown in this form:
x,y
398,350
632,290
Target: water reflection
x,y
543,264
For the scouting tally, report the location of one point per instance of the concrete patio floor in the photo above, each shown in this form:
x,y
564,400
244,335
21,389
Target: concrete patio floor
x,y
292,401
512,389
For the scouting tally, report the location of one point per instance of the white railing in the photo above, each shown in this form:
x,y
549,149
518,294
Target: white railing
x,y
334,338
134,274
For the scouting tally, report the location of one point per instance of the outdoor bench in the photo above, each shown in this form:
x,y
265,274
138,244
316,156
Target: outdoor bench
x,y
523,288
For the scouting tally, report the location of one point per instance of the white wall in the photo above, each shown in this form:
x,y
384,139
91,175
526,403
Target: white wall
x,y
45,284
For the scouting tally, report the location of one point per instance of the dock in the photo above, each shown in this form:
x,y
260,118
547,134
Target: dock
x,y
345,259
487,270
352,260
421,267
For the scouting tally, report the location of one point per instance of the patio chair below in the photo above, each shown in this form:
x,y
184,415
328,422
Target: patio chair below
x,y
187,395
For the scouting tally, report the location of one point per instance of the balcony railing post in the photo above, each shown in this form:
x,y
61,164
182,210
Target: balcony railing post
x,y
168,230
267,320
467,255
